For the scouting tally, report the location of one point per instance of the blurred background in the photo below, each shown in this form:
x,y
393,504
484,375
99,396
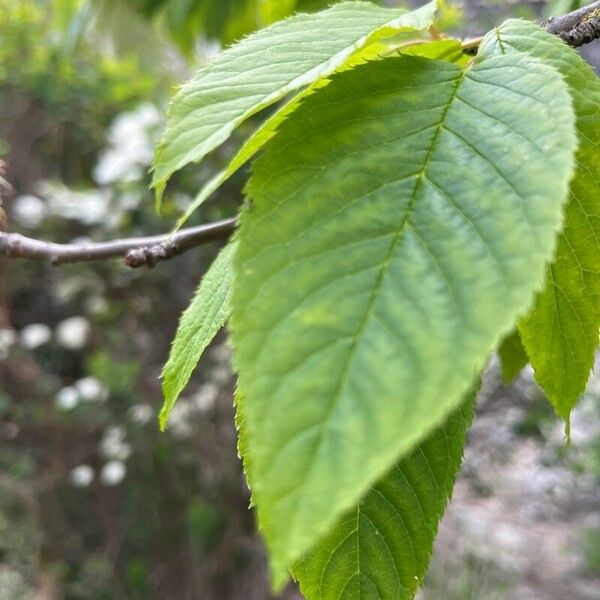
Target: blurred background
x,y
95,503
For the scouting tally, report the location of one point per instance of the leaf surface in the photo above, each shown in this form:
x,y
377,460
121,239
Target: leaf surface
x,y
381,548
513,357
450,50
199,324
373,276
560,334
265,67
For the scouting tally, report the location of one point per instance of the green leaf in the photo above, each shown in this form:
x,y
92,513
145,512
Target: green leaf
x,y
450,50
400,221
264,68
381,548
561,332
513,357
199,324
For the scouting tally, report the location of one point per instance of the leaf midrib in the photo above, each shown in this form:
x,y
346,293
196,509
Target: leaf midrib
x,y
381,277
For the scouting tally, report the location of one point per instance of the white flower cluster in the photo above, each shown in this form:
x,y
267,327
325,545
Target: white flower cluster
x,y
81,476
115,450
29,210
141,414
35,335
8,338
72,333
126,159
89,207
113,445
87,389
131,146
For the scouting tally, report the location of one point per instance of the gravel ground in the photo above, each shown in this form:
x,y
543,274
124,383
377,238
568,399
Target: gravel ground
x,y
524,503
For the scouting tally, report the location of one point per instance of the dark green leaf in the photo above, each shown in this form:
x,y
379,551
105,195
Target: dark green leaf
x,y
382,546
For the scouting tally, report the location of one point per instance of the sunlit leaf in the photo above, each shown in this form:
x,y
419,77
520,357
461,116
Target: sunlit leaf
x,y
561,332
199,324
373,276
264,68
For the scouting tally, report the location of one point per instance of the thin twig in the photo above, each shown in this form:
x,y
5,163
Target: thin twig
x,y
136,251
578,27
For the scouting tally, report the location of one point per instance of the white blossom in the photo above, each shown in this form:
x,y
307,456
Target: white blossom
x,y
113,445
73,333
90,207
115,431
204,399
220,374
97,305
180,422
141,413
221,353
91,390
113,472
82,476
67,398
8,337
129,201
35,335
29,210
114,449
130,149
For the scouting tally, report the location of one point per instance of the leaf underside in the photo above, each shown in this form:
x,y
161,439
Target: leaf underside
x,y
560,334
402,215
265,67
513,357
199,324
381,548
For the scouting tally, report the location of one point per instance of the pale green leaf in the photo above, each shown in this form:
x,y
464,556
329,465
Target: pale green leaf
x,y
400,221
450,50
561,332
264,68
199,324
513,357
381,548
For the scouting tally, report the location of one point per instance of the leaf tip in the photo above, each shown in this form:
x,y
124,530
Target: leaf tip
x,y
159,190
165,411
163,417
279,579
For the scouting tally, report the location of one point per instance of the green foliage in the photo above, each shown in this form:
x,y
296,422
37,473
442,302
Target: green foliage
x,y
591,548
70,99
381,548
31,57
560,7
513,357
370,248
560,334
249,77
223,20
198,326
412,206
450,50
